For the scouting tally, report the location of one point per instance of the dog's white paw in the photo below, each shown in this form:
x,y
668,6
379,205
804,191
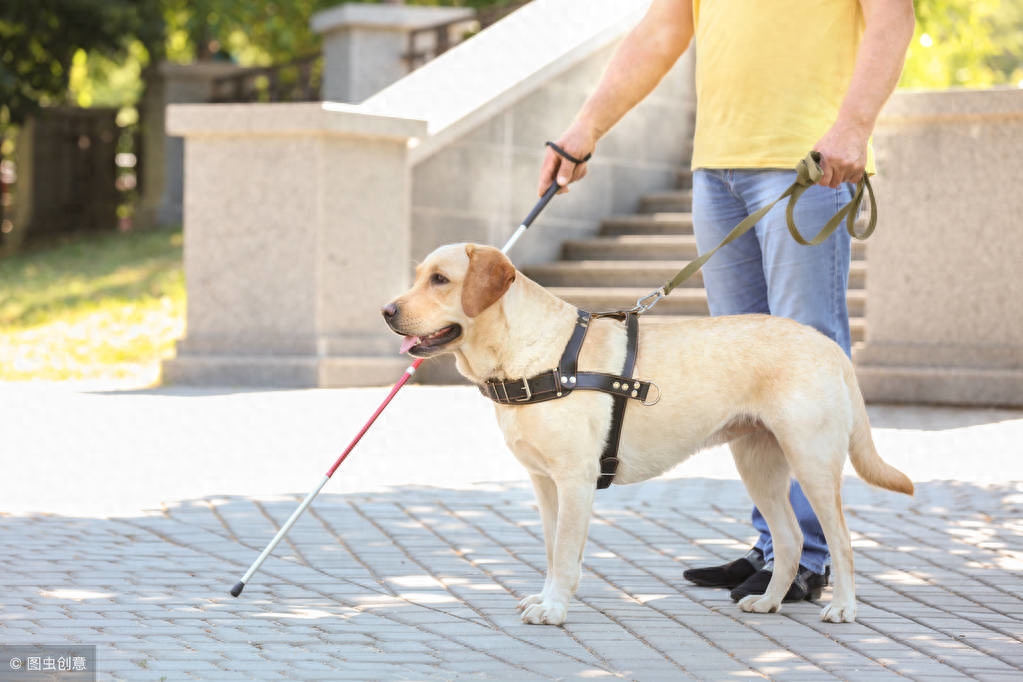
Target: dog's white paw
x,y
529,601
758,603
839,613
545,612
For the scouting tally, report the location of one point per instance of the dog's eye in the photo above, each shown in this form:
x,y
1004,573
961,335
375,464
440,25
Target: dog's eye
x,y
438,279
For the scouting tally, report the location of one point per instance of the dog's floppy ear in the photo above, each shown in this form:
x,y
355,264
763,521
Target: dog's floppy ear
x,y
489,275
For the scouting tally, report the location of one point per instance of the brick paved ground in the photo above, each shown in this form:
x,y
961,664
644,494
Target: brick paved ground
x,y
128,516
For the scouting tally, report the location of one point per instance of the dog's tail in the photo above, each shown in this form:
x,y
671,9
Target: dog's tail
x,y
865,460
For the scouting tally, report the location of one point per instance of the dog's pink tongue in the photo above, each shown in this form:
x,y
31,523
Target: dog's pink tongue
x,y
408,343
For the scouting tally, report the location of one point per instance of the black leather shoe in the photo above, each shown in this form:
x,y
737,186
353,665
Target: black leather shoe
x,y
807,585
728,575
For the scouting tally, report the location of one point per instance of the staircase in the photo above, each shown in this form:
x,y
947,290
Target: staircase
x,y
634,254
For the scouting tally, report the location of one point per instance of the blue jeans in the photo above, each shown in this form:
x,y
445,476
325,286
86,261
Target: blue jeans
x,y
767,271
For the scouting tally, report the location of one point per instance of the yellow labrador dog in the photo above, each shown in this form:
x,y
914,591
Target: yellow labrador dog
x,y
782,395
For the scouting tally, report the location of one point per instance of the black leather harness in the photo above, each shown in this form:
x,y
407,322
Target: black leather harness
x,y
559,382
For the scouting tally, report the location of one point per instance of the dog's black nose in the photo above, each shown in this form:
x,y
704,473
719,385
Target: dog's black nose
x,y
389,311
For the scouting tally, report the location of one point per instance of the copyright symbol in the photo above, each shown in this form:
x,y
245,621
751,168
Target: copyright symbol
x,y
15,664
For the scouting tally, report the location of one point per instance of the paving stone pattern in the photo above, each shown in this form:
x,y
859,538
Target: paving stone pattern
x,y
420,583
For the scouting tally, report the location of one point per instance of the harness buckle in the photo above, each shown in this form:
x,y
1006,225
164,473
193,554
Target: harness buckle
x,y
529,393
649,301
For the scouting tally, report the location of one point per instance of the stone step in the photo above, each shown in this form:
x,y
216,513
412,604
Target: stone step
x,y
649,247
857,325
677,201
609,273
635,273
682,301
631,247
661,223
647,223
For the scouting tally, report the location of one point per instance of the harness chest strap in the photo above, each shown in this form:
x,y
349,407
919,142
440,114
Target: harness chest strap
x,y
559,382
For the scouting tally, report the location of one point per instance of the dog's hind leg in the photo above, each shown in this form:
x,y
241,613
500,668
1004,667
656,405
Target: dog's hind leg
x,y
765,472
575,504
821,479
547,501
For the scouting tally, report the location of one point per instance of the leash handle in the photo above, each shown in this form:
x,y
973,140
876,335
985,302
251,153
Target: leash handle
x,y
808,176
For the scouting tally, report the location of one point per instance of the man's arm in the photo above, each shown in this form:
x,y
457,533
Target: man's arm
x,y
645,55
889,28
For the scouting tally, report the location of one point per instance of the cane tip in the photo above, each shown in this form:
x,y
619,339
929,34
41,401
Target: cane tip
x,y
237,589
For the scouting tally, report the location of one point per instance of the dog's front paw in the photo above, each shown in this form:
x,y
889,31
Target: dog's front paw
x,y
758,603
839,613
529,601
544,612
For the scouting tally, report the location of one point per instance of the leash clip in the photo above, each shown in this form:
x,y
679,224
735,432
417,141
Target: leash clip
x,y
649,301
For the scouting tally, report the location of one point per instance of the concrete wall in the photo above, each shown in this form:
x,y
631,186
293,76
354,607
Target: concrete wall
x,y
944,293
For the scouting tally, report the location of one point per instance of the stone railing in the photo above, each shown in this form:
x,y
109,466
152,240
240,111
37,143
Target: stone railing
x,y
302,220
295,81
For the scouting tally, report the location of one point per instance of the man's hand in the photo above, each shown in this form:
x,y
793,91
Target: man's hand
x,y
889,28
647,52
843,152
578,142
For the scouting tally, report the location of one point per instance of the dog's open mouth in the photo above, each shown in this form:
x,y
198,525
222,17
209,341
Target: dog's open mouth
x,y
421,346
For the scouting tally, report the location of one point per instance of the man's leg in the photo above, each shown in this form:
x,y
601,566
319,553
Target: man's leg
x,y
735,284
734,277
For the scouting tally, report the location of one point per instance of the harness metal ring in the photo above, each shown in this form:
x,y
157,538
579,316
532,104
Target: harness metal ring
x,y
657,399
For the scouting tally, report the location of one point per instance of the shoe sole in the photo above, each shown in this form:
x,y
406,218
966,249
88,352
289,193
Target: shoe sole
x,y
707,583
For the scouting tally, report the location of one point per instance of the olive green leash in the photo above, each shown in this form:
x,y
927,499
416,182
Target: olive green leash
x,y
808,173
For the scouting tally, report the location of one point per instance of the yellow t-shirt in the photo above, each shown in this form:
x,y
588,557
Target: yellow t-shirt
x,y
770,78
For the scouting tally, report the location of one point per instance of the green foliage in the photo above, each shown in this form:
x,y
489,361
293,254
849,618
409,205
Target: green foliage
x,y
247,32
965,43
39,39
97,80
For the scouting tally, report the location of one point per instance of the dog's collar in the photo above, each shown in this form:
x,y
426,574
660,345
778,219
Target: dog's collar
x,y
559,382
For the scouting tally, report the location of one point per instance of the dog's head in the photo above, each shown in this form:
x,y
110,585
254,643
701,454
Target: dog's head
x,y
453,286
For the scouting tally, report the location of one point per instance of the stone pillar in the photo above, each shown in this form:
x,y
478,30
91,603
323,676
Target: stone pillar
x,y
296,233
162,156
944,302
364,45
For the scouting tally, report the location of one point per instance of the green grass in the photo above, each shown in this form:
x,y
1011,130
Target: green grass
x,y
93,307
